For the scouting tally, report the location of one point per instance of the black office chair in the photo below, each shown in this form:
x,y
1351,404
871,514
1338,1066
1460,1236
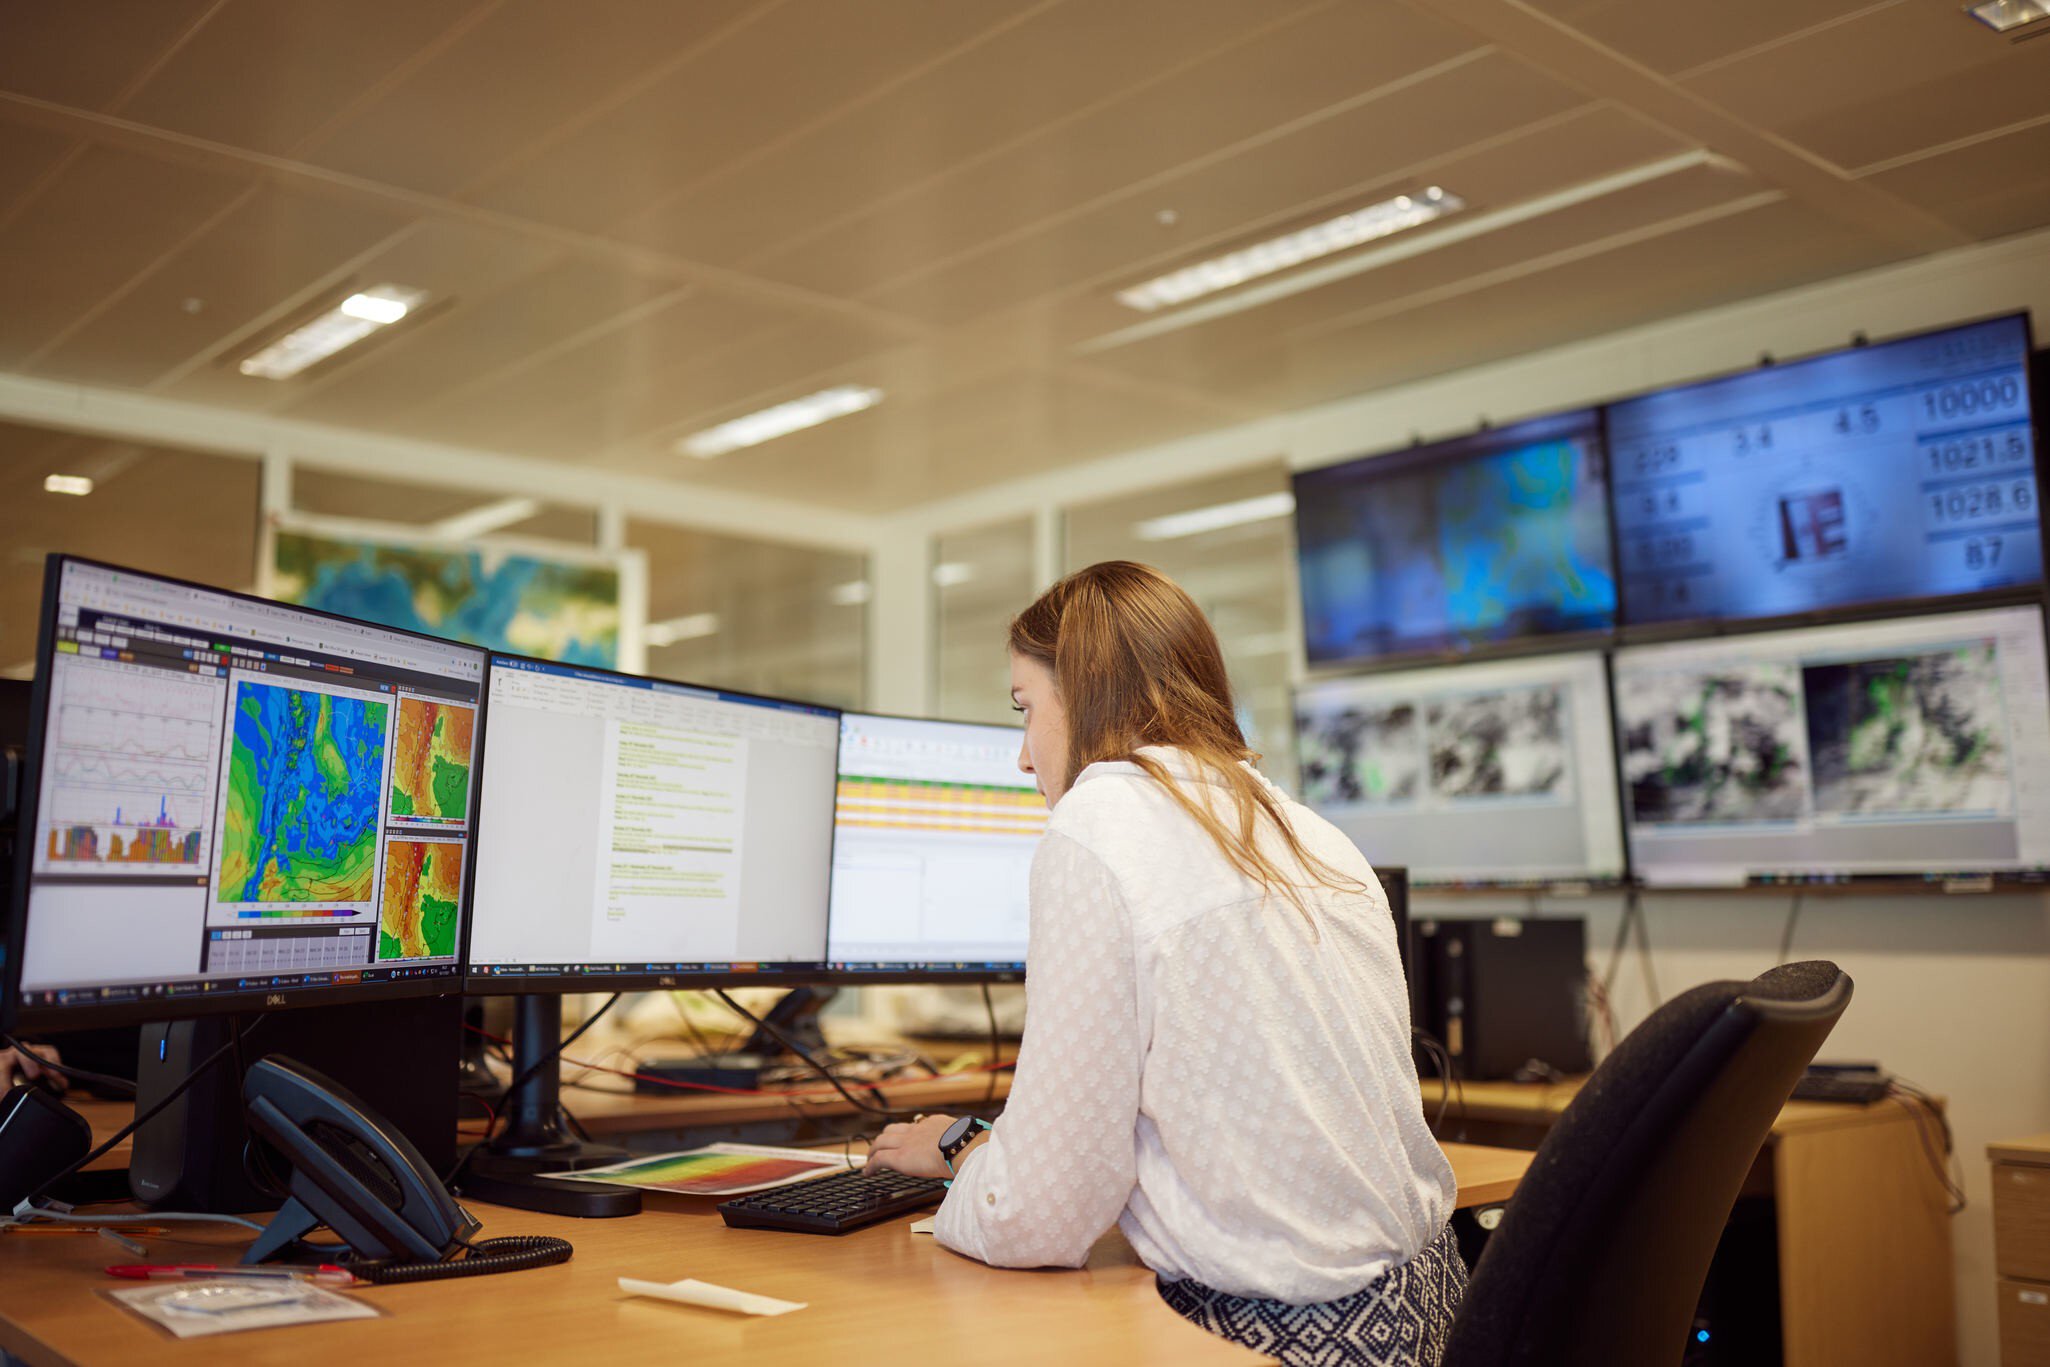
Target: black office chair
x,y
1601,1253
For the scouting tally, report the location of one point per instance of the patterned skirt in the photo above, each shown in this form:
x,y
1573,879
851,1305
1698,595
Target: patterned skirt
x,y
1400,1319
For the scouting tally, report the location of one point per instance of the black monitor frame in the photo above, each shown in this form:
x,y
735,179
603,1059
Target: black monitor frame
x,y
627,978
925,972
16,1014
2035,377
1453,648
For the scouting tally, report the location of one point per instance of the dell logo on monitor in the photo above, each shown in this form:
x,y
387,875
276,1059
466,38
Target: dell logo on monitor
x,y
274,999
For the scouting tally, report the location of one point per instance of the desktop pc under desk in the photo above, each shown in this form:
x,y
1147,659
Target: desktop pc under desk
x,y
1861,1223
881,1291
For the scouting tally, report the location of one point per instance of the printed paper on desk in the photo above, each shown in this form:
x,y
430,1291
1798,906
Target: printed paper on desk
x,y
714,1170
688,1292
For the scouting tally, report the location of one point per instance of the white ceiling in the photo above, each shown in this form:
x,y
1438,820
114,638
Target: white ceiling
x,y
644,218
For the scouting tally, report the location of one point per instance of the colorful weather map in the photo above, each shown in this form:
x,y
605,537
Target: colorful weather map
x,y
430,772
423,886
552,609
305,779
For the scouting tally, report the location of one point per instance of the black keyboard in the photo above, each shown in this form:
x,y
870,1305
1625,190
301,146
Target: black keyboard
x,y
835,1203
1863,1089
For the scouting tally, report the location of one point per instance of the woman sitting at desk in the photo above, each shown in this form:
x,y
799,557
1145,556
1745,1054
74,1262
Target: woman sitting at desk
x,y
1218,1051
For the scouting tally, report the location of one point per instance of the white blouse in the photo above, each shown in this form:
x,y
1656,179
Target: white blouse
x,y
1235,1091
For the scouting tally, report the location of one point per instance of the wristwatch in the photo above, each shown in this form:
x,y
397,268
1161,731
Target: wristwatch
x,y
957,1136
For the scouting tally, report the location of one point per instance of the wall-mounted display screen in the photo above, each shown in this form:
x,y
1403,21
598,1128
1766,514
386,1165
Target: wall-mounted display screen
x,y
1464,543
1900,470
1915,747
1481,774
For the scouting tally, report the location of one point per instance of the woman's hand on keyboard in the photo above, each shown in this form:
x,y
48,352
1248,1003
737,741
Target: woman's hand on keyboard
x,y
913,1148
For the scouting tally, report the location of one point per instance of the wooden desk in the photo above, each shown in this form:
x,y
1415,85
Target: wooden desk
x,y
1863,1223
620,1113
881,1294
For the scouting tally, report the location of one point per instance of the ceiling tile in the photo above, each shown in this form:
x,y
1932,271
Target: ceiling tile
x,y
1058,60
767,80
83,55
270,248
107,217
1989,189
512,81
263,74
1889,83
1673,38
1105,178
26,156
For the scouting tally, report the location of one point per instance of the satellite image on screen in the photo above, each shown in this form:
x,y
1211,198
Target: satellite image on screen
x,y
1487,538
1361,754
1924,732
305,775
1713,746
1500,745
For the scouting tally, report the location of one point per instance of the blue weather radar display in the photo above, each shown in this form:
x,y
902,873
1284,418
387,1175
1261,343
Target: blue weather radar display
x,y
1487,538
305,780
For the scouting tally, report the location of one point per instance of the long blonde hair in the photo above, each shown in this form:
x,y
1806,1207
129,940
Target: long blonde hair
x,y
1136,663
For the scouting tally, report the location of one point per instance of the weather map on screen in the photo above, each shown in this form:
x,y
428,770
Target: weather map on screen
x,y
430,776
1901,470
423,888
1486,538
305,778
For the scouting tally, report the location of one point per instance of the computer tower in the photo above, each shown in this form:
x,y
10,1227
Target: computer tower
x,y
1508,997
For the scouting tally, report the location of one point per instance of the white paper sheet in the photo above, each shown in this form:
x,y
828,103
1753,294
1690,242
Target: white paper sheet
x,y
688,1292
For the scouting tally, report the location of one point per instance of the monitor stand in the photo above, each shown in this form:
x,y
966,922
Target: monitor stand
x,y
504,1171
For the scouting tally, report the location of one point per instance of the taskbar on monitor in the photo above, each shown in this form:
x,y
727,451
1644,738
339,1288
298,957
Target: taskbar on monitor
x,y
777,967
184,991
963,967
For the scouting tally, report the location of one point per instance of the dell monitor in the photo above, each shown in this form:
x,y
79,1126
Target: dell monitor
x,y
230,804
1497,774
934,828
1459,545
1897,471
635,833
1910,749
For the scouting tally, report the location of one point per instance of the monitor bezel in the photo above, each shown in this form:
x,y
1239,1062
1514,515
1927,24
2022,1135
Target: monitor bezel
x,y
1453,648
18,1015
478,984
912,974
1631,633
1825,881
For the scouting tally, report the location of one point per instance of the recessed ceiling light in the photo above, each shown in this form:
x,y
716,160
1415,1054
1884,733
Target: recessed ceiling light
x,y
1290,249
80,485
953,574
691,628
2003,16
346,324
780,421
1216,517
851,594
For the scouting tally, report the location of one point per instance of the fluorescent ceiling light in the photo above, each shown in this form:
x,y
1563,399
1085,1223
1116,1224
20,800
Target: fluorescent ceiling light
x,y
2003,16
344,325
80,485
1356,263
1291,249
487,517
780,421
952,574
851,594
1216,517
691,628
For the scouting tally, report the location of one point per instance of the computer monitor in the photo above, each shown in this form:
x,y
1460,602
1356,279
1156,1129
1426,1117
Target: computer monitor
x,y
1896,471
232,804
934,828
1488,538
1482,775
1913,748
637,833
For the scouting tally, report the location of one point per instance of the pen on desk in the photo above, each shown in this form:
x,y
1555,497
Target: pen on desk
x,y
327,1274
